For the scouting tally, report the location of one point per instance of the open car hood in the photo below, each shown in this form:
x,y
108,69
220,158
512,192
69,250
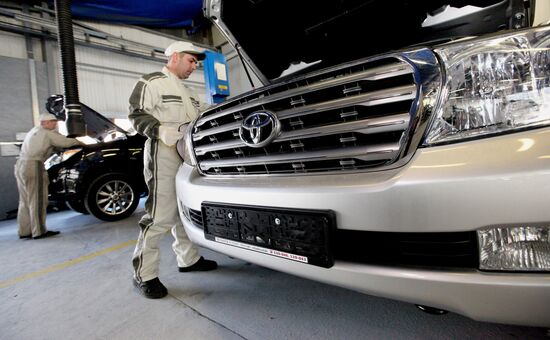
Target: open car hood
x,y
97,126
273,35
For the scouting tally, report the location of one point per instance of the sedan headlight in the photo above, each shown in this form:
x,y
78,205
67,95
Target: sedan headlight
x,y
515,248
494,86
60,157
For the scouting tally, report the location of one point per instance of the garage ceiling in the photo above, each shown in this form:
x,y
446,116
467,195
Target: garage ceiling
x,y
165,13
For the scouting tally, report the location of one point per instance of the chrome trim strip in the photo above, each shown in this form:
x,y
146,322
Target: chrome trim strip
x,y
367,153
219,129
392,95
367,126
382,72
201,150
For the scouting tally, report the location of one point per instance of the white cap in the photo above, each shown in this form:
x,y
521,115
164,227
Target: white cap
x,y
183,46
47,116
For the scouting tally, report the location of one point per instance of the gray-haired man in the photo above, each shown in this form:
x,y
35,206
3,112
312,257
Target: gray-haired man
x,y
32,178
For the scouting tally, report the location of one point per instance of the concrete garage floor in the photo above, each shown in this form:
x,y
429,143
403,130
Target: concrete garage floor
x,y
78,286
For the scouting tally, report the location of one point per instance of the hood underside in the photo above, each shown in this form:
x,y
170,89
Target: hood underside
x,y
97,126
273,35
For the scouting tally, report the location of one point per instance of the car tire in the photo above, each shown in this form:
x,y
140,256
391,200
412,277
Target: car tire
x,y
112,197
78,206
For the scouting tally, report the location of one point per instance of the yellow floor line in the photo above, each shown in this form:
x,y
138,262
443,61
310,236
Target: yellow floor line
x,y
65,264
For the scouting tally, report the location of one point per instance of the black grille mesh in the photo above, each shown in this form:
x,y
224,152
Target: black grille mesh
x,y
196,217
449,250
436,250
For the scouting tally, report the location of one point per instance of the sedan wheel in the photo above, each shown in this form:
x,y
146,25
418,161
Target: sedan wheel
x,y
112,197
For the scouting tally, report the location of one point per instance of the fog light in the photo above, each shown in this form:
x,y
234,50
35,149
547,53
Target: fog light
x,y
514,249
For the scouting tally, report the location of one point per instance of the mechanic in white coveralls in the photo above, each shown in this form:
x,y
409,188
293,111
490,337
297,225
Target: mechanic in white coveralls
x,y
32,178
160,107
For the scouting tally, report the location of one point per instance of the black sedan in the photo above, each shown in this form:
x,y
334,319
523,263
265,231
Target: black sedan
x,y
104,178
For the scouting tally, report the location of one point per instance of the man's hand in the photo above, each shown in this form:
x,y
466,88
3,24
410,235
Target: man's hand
x,y
169,135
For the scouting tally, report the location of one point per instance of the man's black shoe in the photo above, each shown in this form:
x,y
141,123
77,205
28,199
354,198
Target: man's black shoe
x,y
201,265
46,234
152,289
24,237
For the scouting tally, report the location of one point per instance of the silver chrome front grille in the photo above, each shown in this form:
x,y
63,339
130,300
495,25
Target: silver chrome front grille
x,y
354,118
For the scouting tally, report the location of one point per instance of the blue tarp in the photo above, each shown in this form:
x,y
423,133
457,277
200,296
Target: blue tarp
x,y
159,13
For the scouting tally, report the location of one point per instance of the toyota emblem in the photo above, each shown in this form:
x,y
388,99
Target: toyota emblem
x,y
259,128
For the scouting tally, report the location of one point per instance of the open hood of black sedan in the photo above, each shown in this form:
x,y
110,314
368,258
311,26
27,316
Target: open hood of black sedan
x,y
275,34
97,126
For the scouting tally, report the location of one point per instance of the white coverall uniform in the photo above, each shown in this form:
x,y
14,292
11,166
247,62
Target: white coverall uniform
x,y
32,178
161,98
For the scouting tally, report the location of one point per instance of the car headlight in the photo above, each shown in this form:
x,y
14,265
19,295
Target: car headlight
x,y
494,86
514,248
60,157
52,160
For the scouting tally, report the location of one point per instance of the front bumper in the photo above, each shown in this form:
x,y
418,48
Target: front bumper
x,y
461,187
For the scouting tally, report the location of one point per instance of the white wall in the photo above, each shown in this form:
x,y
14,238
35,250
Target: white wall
x,y
105,78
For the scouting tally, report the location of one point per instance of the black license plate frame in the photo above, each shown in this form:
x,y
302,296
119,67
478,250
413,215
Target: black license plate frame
x,y
302,235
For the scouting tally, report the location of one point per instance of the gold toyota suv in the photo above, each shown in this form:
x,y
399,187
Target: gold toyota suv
x,y
396,148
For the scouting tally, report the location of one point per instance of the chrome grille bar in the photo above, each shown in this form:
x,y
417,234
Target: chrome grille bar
x,y
366,153
366,126
392,95
209,132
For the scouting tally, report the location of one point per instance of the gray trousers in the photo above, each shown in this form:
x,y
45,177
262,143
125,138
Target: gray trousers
x,y
32,183
161,164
